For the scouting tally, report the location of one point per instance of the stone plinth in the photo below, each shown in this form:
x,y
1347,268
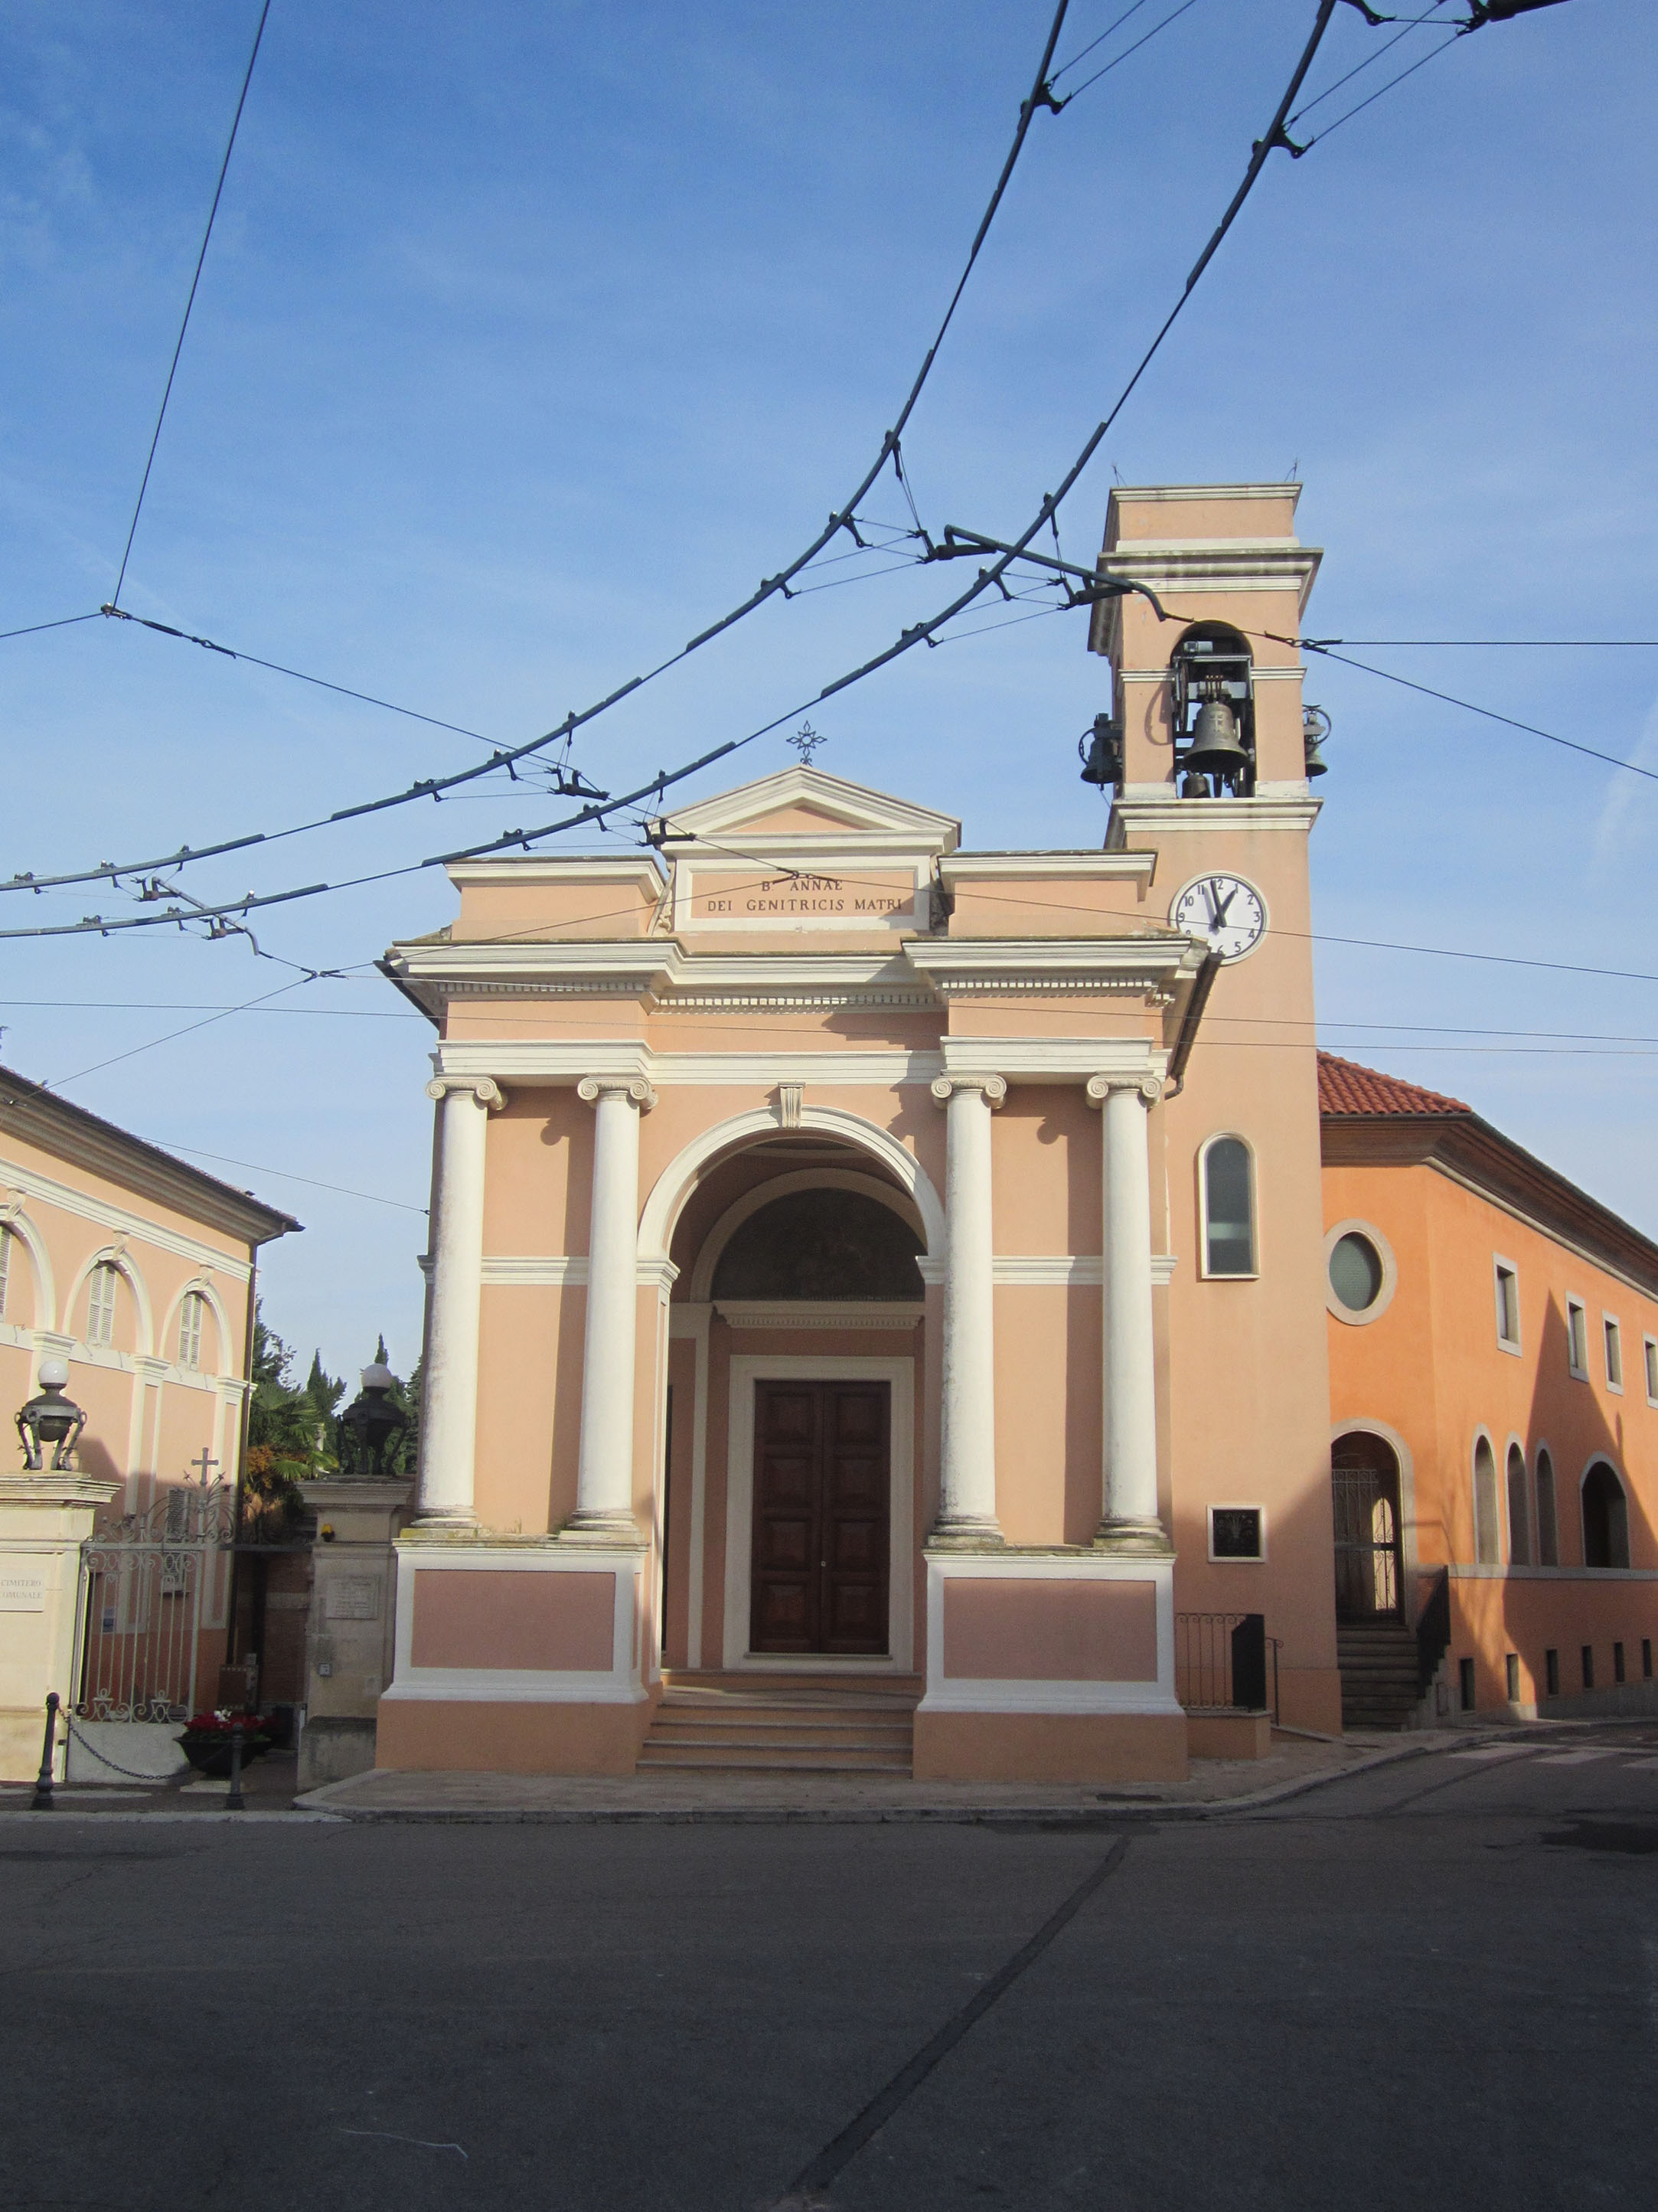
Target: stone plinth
x,y
350,1641
43,1521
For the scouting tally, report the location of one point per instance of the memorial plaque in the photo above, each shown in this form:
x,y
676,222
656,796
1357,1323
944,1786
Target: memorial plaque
x,y
354,1597
22,1593
1235,1531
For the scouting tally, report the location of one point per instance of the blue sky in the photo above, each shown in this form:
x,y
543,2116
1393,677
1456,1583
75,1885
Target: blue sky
x,y
530,339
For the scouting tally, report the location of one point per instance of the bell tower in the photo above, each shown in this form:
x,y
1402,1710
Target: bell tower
x,y
1208,756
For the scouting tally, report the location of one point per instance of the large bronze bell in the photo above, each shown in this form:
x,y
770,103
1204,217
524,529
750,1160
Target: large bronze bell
x,y
1215,749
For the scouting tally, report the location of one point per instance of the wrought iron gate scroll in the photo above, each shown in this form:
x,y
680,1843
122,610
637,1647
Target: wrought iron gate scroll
x,y
150,1584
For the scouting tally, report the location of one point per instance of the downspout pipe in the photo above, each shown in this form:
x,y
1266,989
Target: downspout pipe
x,y
1204,984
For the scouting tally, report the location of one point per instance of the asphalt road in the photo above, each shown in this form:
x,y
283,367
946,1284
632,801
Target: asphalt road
x,y
1432,1985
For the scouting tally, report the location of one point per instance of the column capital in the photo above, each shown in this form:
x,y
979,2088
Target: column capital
x,y
1100,1087
993,1088
593,1088
483,1088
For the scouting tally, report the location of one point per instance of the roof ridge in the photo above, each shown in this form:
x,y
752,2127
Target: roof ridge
x,y
1348,1087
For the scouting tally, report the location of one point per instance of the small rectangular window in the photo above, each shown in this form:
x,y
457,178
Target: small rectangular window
x,y
1552,1672
1649,1353
1238,1532
1618,1662
190,1330
1646,1658
100,1305
1514,1678
1508,1306
1465,1678
1614,1352
1588,1666
1577,1339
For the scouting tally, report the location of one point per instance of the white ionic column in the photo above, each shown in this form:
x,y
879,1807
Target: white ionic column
x,y
1129,1519
966,1487
448,1436
605,1468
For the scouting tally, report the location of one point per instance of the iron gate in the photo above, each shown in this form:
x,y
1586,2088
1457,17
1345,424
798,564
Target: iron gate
x,y
151,1585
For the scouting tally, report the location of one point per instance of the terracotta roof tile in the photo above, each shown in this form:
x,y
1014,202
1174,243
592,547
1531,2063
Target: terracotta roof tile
x,y
1344,1087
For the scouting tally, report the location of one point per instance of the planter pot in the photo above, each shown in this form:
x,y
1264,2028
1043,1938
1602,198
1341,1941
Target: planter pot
x,y
210,1755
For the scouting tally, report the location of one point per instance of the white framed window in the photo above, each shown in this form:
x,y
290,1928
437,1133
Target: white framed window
x,y
1649,1361
1226,1191
5,1267
1506,1278
190,1329
101,1303
1360,1273
1577,1339
1613,1338
1238,1532
1487,1530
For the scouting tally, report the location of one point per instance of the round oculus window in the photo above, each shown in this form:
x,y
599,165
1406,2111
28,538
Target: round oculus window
x,y
1356,1272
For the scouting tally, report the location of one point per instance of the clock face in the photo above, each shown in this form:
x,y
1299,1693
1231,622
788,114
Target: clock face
x,y
1230,913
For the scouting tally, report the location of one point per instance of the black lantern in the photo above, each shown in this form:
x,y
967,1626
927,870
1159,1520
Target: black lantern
x,y
51,1419
371,1427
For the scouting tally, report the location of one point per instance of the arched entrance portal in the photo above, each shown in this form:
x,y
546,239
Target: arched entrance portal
x,y
796,1328
1364,1476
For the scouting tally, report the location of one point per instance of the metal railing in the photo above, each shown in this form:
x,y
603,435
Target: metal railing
x,y
1222,1663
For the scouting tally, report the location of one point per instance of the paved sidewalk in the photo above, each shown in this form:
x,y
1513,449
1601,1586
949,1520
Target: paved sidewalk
x,y
1296,1763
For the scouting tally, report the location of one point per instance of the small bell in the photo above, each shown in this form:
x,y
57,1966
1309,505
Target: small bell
x,y
1101,752
1215,749
1315,728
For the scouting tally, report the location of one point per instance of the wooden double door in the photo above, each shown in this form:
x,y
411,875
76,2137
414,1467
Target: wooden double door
x,y
821,1483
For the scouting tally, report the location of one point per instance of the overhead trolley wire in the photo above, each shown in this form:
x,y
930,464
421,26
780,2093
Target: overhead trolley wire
x,y
1039,97
916,634
172,370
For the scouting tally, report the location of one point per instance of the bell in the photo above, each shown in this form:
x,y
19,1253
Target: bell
x,y
1102,758
1215,748
1315,728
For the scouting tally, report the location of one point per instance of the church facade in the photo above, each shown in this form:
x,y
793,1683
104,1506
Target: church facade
x,y
845,1270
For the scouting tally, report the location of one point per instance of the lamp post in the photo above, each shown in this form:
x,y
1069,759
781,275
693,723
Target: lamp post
x,y
49,1418
372,1426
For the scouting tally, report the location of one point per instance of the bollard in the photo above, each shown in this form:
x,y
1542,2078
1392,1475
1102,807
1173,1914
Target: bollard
x,y
233,1803
41,1800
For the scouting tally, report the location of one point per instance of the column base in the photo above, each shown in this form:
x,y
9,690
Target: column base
x,y
1148,1539
600,1525
965,1532
444,1522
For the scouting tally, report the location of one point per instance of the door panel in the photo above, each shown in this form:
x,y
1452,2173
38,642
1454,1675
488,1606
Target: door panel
x,y
822,1484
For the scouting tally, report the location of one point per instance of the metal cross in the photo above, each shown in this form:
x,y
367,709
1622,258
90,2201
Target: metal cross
x,y
204,1462
806,742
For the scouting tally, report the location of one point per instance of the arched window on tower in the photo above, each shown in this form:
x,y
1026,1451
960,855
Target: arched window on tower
x,y
1519,1516
1228,1181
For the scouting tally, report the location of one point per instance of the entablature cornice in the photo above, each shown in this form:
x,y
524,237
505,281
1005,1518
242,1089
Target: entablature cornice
x,y
1156,811
1148,967
1053,1060
1090,866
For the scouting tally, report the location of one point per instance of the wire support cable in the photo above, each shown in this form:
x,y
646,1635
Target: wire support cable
x,y
1117,60
63,621
172,369
844,518
908,639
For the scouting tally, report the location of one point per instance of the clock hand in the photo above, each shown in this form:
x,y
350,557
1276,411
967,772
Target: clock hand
x,y
1209,901
1220,910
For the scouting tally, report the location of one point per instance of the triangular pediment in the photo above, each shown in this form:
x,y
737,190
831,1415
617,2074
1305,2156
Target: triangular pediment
x,y
808,804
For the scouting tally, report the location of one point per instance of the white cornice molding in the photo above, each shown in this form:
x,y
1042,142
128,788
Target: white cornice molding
x,y
1144,965
819,1313
859,807
119,1220
1263,564
1089,866
1171,494
537,871
557,1060
1156,812
1053,1060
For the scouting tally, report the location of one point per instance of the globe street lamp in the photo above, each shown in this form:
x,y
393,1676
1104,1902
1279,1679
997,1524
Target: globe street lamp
x,y
51,1419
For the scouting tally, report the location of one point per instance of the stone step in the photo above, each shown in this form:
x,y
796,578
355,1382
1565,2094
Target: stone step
x,y
654,1760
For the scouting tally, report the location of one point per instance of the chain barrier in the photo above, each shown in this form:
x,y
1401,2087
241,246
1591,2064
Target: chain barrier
x,y
155,1780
